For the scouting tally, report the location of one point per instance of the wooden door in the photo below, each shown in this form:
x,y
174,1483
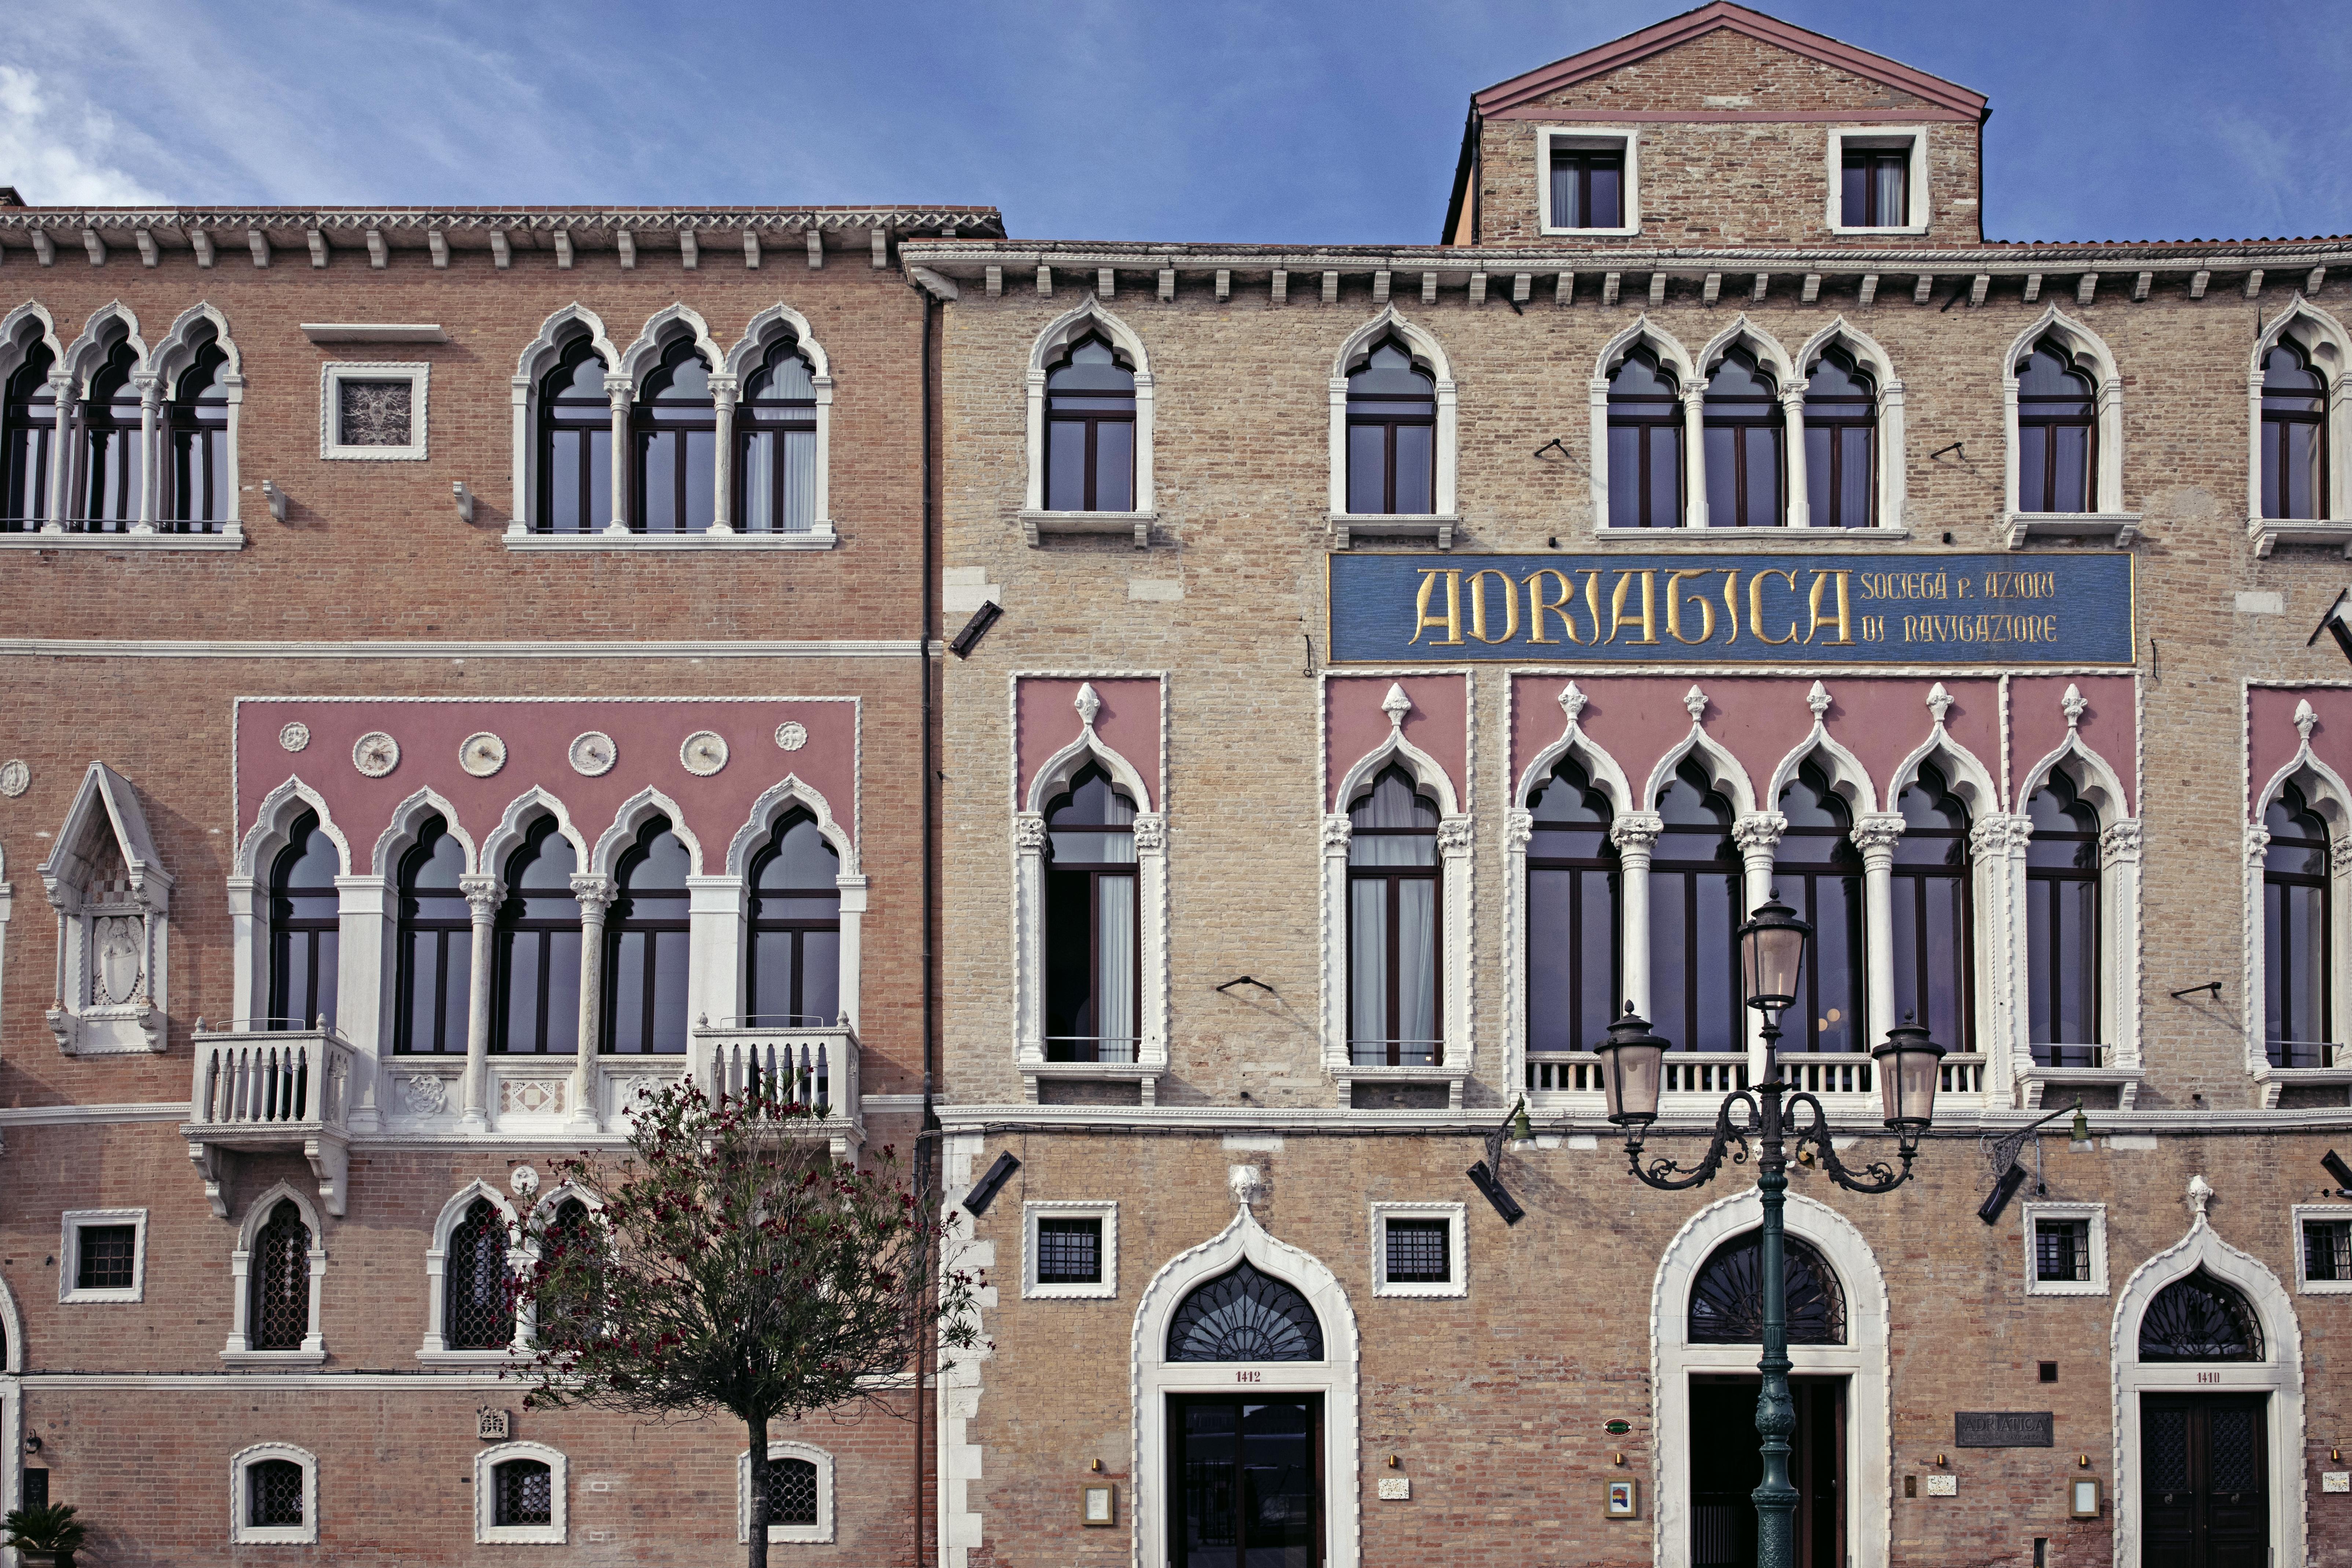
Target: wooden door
x,y
2204,1481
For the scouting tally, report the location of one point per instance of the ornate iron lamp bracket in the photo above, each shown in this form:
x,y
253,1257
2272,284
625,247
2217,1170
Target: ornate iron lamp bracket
x,y
1667,1176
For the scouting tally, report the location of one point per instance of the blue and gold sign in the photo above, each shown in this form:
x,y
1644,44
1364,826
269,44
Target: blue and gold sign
x,y
2064,609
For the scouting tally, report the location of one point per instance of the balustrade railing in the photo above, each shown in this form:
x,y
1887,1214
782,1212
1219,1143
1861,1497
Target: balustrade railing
x,y
771,1068
1705,1072
1564,1069
1828,1073
2303,1053
264,1078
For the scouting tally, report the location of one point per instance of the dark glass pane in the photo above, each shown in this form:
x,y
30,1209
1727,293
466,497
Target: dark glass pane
x,y
1672,900
563,479
701,460
1856,499
1853,195
1069,1251
1723,476
2071,474
1727,1301
1389,370
820,992
1642,377
1762,453
1607,207
1625,465
1114,465
273,1493
1092,366
1717,1026
1065,465
2050,371
525,1493
1244,1315
1414,444
1738,376
1368,469
596,499
1890,178
657,455
1666,508
2033,469
802,859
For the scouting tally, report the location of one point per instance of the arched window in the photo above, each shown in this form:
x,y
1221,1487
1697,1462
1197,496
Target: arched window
x,y
477,1296
1574,961
29,414
1695,906
1092,945
280,1314
645,939
436,945
1090,430
2297,935
793,971
524,1494
675,427
1391,433
575,443
1726,1301
1819,873
1744,429
193,493
776,444
1842,443
2062,893
1645,445
273,1495
537,1006
2057,432
2295,433
1245,1314
1934,919
303,927
112,463
2200,1318
1393,917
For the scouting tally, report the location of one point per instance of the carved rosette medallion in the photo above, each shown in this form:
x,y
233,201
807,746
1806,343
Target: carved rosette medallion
x,y
16,778
295,736
790,736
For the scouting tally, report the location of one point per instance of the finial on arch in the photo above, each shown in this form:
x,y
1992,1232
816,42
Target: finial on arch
x,y
1088,702
2075,703
1818,699
1939,702
2306,720
2200,1193
1572,701
1396,705
1695,702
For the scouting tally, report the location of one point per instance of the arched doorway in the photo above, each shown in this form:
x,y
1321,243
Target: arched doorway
x,y
1246,1419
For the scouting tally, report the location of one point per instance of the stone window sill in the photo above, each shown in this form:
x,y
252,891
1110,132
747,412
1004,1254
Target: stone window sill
x,y
1039,525
1715,540
1349,526
2118,528
820,537
472,1359
2269,532
230,537
1145,1075
273,1358
1452,1075
2041,1083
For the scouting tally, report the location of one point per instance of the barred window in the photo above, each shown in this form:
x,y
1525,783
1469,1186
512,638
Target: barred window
x,y
792,1492
2062,1249
1069,1251
280,1308
273,1492
477,1309
2327,1249
108,1255
1418,1252
524,1492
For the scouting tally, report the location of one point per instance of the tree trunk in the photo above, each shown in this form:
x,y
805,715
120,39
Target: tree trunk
x,y
757,1557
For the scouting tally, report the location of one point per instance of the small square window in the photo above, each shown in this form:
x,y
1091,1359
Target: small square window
x,y
2323,1248
1420,1252
372,411
1588,183
103,1255
1417,1251
2062,1249
107,1255
2066,1249
520,1494
1877,181
1070,1249
274,1496
524,1492
275,1489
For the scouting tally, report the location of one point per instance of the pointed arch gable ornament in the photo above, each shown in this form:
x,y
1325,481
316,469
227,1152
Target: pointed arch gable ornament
x,y
1426,349
113,974
2109,521
1336,1377
1088,315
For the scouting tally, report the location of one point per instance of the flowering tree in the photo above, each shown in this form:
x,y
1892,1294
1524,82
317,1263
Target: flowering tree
x,y
726,1266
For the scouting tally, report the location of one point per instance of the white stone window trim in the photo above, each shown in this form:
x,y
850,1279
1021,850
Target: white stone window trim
x,y
2298,1216
241,1532
1643,333
1149,796
1103,1290
2109,522
2096,1215
435,1351
1089,315
1913,137
71,1227
238,1351
249,883
1894,494
2324,337
486,1464
817,1535
1596,139
1457,1250
105,806
2326,793
1429,354
417,374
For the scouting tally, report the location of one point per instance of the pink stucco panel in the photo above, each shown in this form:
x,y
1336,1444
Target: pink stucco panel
x,y
2271,740
2037,726
1046,720
1354,723
538,735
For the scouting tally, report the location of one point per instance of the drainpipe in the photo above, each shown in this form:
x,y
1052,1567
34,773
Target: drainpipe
x,y
927,1139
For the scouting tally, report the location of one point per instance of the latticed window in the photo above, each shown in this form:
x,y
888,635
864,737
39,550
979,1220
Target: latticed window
x,y
273,1492
1245,1315
2200,1319
2327,1249
108,1257
1726,1304
1069,1251
523,1492
1419,1251
2062,1249
478,1308
791,1491
280,1317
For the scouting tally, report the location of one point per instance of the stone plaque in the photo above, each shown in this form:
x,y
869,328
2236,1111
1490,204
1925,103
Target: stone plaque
x,y
373,414
491,1426
2002,1429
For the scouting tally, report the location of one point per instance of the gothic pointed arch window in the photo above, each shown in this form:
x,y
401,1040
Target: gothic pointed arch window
x,y
536,1003
776,444
1695,904
575,442
2299,934
2200,1318
1842,443
675,429
1819,873
113,466
279,1312
1391,433
1090,430
1743,429
1727,1299
193,493
1093,945
434,960
304,923
477,1295
1931,900
1645,445
28,429
1245,1314
2057,431
2062,896
1394,919
793,971
1575,958
2295,433
646,940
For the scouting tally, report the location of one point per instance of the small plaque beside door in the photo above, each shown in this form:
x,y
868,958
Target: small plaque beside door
x,y
2085,1495
1624,1500
1098,1505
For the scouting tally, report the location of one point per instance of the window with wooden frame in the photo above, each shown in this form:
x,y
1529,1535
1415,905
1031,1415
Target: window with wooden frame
x,y
1588,185
1093,944
793,966
1575,891
674,431
1932,912
1875,190
776,444
535,1007
1818,871
1696,907
2298,991
646,935
1842,443
1090,430
1743,429
1394,918
192,496
1391,433
575,443
113,457
1645,445
305,928
28,429
435,956
2062,938
2057,432
2295,433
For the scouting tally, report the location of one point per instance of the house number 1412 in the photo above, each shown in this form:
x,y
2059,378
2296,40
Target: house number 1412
x,y
1249,1377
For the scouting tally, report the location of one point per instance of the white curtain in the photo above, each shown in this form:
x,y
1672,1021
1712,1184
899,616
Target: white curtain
x,y
758,482
800,481
1417,968
1115,977
1368,963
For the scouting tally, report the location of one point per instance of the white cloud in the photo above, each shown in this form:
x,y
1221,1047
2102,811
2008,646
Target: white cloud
x,y
57,153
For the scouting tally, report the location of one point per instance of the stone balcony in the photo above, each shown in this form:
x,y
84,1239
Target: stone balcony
x,y
816,1066
271,1091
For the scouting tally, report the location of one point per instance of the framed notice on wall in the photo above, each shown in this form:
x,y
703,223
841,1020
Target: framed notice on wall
x,y
1625,1499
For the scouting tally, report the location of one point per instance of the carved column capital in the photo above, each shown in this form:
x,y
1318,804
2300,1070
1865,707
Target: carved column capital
x,y
1876,834
2258,843
2339,856
2120,842
484,895
595,895
1636,832
1029,830
1998,834
1759,831
1453,836
1150,831
1338,831
1519,829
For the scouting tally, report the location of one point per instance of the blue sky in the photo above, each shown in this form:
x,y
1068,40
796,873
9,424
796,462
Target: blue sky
x,y
1316,121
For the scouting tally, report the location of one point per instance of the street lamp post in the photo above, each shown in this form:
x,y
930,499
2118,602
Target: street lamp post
x,y
1772,949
